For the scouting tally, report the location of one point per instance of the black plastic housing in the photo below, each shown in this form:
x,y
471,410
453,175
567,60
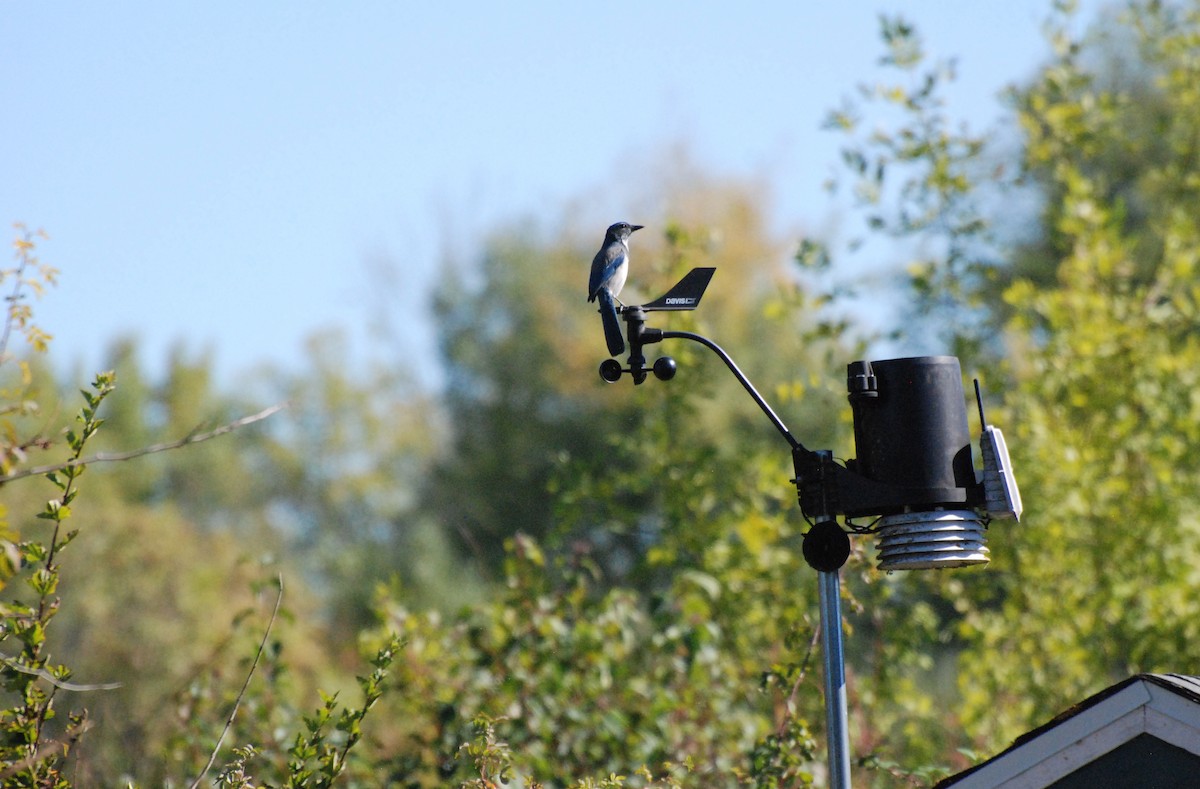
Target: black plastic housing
x,y
911,429
912,441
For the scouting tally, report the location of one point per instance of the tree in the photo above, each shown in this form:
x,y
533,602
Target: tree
x,y
650,612
1089,323
134,599
1103,393
526,410
652,618
346,466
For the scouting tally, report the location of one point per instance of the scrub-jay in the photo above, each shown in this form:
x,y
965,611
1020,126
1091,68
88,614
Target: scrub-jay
x,y
609,269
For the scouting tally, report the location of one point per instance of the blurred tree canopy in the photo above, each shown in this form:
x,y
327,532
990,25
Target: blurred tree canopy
x,y
1088,315
1103,396
527,414
591,581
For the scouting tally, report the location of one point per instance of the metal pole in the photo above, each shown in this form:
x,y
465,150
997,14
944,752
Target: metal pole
x,y
835,680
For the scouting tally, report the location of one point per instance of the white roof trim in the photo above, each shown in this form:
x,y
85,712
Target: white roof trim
x,y
1077,754
1142,707
1173,719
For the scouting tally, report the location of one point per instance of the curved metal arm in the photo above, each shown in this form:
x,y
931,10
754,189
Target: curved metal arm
x,y
745,382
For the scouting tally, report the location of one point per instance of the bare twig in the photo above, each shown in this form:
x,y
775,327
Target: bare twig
x,y
812,646
112,457
55,681
242,693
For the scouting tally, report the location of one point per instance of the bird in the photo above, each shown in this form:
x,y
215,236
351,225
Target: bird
x,y
610,267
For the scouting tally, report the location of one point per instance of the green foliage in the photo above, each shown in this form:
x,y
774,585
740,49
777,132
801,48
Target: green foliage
x,y
491,758
493,761
579,681
342,473
37,746
34,751
29,753
650,621
528,415
1091,317
29,275
318,755
234,775
20,398
1104,394
662,628
921,175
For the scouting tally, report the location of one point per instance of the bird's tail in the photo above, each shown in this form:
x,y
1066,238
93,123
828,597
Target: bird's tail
x,y
612,326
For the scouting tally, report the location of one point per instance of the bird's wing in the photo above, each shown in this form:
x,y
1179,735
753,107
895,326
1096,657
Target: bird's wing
x,y
604,265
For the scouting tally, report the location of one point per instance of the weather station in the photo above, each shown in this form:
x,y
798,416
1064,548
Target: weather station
x,y
913,484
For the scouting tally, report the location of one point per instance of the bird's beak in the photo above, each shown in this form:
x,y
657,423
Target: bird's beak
x,y
635,227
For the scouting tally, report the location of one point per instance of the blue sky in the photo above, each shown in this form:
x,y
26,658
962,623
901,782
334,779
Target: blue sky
x,y
220,173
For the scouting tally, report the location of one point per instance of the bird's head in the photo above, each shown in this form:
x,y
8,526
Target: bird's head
x,y
621,230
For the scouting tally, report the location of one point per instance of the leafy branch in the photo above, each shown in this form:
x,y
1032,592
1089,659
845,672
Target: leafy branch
x,y
28,275
19,315
36,762
330,751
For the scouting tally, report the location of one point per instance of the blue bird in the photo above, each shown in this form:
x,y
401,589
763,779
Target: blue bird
x,y
610,267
